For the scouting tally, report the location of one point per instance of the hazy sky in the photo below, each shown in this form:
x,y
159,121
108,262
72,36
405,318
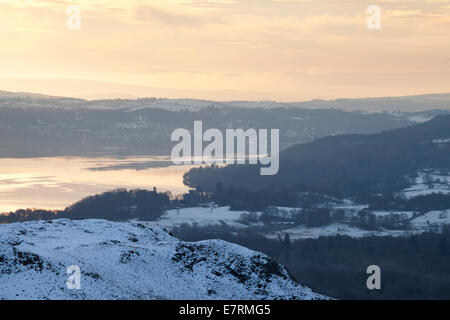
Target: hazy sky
x,y
226,49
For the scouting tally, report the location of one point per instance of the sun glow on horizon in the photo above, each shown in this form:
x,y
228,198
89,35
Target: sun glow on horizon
x,y
225,49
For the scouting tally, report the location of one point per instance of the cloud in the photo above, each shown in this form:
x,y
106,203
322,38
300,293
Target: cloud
x,y
171,16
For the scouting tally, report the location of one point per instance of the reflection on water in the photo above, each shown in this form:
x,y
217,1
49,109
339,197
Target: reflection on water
x,y
55,183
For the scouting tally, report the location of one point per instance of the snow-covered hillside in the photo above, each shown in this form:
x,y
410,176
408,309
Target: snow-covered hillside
x,y
427,182
127,260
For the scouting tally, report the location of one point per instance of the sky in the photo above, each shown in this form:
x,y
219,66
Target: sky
x,y
284,50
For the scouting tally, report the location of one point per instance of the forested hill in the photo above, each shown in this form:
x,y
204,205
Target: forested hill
x,y
344,165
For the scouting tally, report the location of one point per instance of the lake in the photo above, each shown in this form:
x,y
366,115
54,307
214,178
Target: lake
x,y
55,183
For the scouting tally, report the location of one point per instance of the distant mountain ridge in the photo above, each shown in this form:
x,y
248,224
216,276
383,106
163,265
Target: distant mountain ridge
x,y
42,126
404,103
415,103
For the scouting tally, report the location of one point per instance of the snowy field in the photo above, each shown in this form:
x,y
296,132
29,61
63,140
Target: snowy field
x,y
334,229
431,221
200,216
203,216
432,218
428,182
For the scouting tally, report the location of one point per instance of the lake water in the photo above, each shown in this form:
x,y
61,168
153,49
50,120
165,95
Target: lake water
x,y
55,183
